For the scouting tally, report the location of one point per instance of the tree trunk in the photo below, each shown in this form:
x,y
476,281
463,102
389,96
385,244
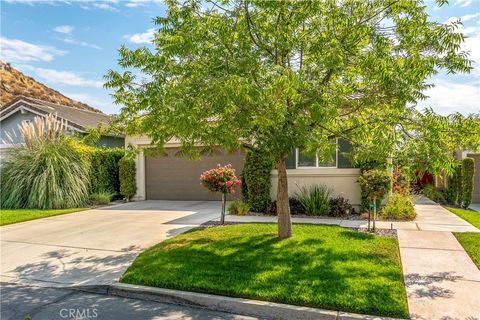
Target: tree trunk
x,y
283,208
222,216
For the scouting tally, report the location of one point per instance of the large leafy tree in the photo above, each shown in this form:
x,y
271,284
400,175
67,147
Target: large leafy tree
x,y
278,75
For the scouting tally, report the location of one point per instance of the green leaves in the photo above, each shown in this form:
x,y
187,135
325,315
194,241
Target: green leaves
x,y
294,73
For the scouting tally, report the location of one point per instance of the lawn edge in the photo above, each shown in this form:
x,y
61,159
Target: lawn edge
x,y
249,307
45,217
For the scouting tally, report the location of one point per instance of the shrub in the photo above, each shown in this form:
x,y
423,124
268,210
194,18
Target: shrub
x,y
296,207
256,172
455,185
314,199
434,194
47,172
100,198
239,207
375,184
400,181
339,207
399,207
128,185
468,173
104,170
366,166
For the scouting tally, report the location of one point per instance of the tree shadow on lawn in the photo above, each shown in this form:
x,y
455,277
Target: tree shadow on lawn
x,y
306,270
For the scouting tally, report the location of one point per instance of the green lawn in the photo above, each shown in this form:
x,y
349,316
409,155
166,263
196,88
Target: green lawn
x,y
471,216
9,216
320,266
470,241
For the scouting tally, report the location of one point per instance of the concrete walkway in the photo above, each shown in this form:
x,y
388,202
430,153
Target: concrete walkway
x,y
442,281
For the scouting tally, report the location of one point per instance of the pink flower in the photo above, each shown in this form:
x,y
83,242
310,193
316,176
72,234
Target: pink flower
x,y
238,182
229,184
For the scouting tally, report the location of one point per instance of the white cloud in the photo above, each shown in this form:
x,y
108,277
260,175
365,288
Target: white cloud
x,y
135,3
145,37
471,30
85,98
63,77
99,102
14,50
74,41
63,29
105,5
448,97
463,3
467,17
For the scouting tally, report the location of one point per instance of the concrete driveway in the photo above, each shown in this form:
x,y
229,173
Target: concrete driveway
x,y
93,247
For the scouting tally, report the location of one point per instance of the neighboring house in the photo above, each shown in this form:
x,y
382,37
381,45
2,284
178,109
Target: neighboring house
x,y
22,98
23,109
168,177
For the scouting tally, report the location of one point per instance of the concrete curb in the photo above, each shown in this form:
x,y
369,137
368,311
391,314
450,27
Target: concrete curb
x,y
248,307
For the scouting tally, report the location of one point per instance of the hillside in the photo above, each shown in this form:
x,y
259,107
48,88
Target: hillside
x,y
13,83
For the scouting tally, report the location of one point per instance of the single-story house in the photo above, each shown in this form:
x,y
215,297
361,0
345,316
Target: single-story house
x,y
167,177
24,109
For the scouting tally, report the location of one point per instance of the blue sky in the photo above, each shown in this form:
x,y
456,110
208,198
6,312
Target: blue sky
x,y
70,45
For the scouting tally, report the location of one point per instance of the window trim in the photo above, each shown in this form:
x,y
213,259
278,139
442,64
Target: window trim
x,y
297,157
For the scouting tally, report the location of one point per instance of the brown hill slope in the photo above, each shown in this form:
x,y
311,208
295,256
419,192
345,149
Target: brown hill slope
x,y
13,83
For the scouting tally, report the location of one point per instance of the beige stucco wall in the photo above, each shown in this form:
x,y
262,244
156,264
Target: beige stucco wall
x,y
341,182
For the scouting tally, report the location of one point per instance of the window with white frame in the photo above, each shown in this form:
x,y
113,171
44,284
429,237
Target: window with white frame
x,y
306,160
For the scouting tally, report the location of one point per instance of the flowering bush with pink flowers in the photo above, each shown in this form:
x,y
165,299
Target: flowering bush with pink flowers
x,y
220,179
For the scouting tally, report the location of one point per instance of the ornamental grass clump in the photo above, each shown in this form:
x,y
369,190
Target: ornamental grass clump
x,y
315,199
220,179
46,171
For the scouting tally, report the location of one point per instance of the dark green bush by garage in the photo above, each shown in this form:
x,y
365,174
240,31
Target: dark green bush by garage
x,y
256,176
104,175
128,186
468,172
455,186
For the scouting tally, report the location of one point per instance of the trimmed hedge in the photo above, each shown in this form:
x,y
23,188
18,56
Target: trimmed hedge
x,y
467,181
454,186
128,185
104,176
256,176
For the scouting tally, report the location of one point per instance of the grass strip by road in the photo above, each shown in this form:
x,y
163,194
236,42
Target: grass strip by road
x,y
470,241
320,266
9,216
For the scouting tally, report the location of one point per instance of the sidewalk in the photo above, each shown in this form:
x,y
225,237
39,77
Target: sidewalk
x,y
442,281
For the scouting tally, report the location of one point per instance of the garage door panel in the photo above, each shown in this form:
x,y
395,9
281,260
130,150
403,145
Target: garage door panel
x,y
168,177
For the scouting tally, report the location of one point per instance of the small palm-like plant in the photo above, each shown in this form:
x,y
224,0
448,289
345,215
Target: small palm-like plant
x,y
315,199
46,171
